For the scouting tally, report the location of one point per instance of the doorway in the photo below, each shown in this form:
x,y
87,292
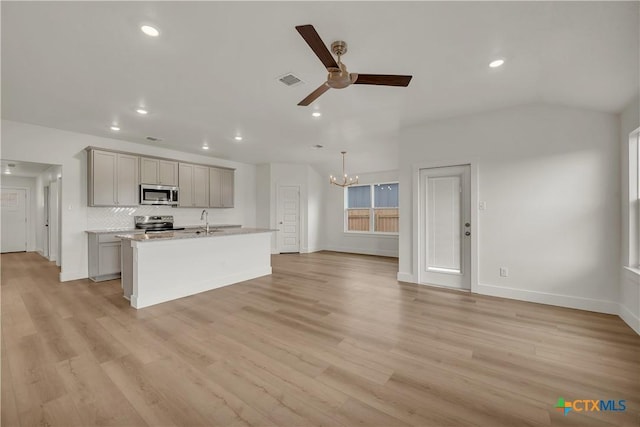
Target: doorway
x,y
14,219
445,227
288,214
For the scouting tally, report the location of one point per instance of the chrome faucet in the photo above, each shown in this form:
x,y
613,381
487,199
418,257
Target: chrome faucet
x,y
205,216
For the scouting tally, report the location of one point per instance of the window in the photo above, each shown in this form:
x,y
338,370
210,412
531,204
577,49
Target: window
x,y
372,208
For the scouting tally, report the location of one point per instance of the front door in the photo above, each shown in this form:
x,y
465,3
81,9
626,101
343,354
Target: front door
x,y
288,218
445,226
14,220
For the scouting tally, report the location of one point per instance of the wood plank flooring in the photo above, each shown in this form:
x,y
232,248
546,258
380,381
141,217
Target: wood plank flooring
x,y
327,340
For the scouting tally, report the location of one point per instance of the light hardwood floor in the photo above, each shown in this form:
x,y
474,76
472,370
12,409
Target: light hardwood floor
x,y
329,339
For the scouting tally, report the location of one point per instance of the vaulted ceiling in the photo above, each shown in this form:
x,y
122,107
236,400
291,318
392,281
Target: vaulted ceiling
x,y
212,73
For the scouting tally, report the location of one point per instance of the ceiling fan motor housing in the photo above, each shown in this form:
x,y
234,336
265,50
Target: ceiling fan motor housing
x,y
339,78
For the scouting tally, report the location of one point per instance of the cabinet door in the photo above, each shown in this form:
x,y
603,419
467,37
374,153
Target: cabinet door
x,y
103,178
227,188
185,178
201,186
108,258
127,180
168,173
215,187
148,171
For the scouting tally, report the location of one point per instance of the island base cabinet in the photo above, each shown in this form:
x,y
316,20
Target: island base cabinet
x,y
165,270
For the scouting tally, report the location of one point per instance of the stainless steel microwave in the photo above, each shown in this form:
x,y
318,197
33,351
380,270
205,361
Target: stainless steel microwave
x,y
158,195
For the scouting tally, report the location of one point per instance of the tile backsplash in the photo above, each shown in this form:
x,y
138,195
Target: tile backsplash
x,y
103,218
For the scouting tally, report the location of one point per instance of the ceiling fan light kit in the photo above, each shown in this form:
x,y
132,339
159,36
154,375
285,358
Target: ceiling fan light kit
x,y
346,180
338,77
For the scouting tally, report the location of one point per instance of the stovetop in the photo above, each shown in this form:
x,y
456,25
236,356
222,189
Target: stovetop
x,y
156,223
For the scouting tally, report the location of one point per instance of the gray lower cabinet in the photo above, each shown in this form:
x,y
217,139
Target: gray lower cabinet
x,y
104,256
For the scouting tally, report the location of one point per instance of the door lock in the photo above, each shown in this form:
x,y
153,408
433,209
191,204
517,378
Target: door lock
x,y
467,233
466,224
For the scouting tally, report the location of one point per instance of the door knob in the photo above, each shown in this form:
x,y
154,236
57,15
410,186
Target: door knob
x,y
467,233
466,224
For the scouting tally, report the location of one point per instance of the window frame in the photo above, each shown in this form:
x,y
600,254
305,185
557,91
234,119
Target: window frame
x,y
371,208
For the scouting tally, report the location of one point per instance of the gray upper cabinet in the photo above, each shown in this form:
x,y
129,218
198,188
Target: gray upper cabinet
x,y
168,173
113,179
185,177
221,188
201,186
156,171
194,185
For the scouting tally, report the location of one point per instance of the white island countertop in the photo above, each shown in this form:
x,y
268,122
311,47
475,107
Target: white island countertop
x,y
192,234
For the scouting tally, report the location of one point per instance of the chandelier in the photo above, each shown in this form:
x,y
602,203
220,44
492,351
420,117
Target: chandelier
x,y
346,181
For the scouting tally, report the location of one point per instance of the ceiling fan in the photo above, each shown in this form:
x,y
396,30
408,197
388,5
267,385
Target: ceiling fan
x,y
339,77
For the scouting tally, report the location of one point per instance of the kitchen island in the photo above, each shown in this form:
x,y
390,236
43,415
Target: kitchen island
x,y
161,267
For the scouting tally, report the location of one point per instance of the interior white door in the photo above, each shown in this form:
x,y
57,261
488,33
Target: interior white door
x,y
288,214
14,220
445,226
45,231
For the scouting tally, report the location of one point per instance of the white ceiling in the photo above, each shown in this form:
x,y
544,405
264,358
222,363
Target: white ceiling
x,y
23,169
213,71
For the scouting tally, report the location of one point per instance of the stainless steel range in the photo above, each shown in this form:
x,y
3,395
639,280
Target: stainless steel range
x,y
156,223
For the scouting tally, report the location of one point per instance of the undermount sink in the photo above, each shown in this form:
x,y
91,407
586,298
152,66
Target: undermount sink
x,y
198,232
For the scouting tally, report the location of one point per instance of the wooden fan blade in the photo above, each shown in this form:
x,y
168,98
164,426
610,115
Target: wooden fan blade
x,y
314,95
382,79
316,44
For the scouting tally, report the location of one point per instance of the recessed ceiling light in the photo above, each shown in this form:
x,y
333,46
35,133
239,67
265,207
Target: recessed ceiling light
x,y
496,63
205,147
237,138
150,31
114,128
7,172
316,114
141,111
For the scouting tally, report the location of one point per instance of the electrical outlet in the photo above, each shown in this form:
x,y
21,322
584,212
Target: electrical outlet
x,y
504,272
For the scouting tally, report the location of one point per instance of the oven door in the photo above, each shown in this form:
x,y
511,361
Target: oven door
x,y
158,195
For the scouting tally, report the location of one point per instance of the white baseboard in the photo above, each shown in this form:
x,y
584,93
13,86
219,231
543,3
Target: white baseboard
x,y
630,319
378,252
405,277
66,276
589,304
310,250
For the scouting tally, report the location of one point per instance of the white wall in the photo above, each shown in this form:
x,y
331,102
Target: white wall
x,y
335,237
629,280
28,183
44,179
25,142
315,208
270,177
550,178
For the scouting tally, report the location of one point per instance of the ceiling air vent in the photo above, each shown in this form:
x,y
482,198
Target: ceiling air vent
x,y
290,80
153,139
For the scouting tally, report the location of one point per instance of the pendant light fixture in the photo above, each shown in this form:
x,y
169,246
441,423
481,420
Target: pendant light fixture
x,y
346,180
